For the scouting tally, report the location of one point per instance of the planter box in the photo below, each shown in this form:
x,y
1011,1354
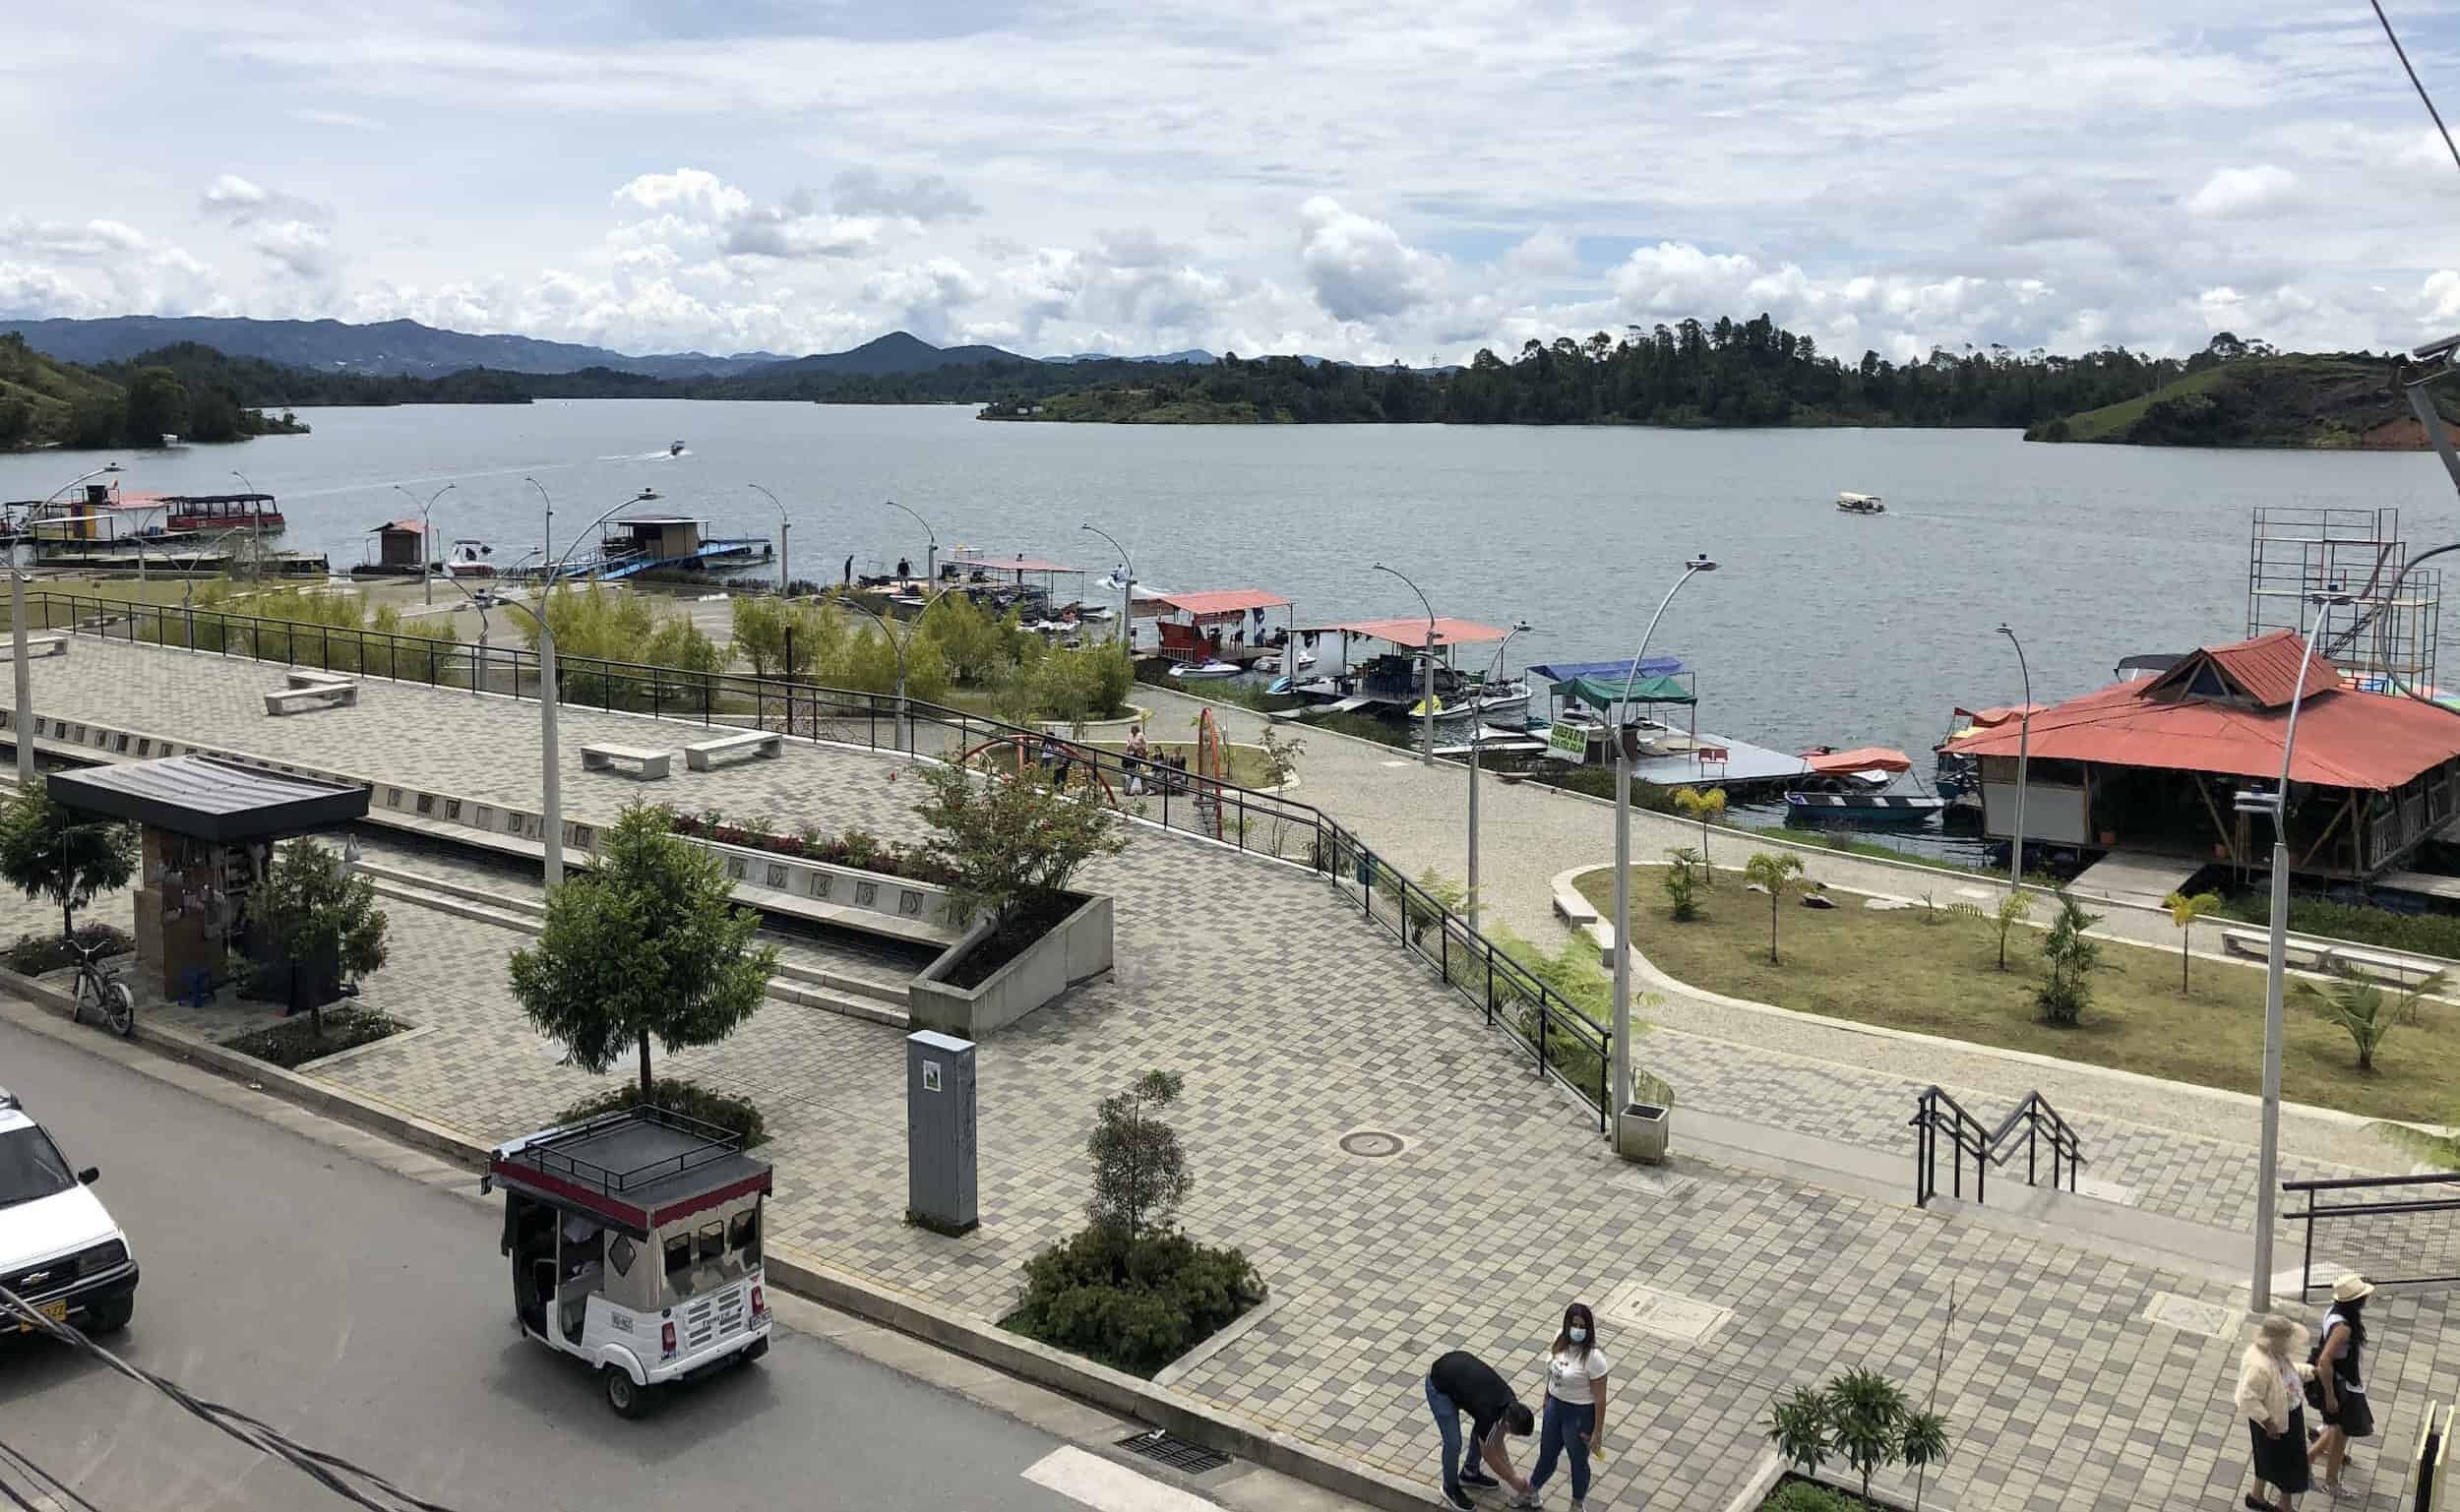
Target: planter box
x,y
1074,949
1640,1133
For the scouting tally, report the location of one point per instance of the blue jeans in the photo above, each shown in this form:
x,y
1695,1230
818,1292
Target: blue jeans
x,y
1446,1424
1564,1429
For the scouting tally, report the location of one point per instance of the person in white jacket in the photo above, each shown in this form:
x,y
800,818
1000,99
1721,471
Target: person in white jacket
x,y
2272,1398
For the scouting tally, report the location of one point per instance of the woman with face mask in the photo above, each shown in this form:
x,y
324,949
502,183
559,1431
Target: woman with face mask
x,y
1575,1405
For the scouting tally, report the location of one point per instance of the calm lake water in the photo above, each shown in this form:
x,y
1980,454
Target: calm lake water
x,y
1818,627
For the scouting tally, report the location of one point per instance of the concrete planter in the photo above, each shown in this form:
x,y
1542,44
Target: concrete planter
x,y
1641,1135
1075,949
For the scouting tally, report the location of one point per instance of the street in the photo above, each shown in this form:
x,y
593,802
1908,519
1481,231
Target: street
x,y
369,1316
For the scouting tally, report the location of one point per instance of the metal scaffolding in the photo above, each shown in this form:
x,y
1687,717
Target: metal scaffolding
x,y
2384,640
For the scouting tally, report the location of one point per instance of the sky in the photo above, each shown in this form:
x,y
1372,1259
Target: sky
x,y
1349,178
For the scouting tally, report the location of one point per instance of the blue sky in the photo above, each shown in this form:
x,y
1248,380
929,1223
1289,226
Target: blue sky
x,y
1331,176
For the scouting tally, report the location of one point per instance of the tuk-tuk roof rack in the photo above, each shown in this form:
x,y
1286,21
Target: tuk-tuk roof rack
x,y
615,1164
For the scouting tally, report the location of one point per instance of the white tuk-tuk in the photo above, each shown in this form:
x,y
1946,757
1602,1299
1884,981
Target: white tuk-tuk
x,y
636,1246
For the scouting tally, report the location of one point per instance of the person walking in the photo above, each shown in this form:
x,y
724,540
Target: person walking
x,y
1461,1382
1575,1404
2274,1404
849,570
2340,1386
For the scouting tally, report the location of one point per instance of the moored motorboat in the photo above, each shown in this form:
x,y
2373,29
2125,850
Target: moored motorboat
x,y
1861,504
1846,786
1204,670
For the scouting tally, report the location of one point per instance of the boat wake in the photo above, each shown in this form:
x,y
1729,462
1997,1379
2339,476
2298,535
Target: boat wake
x,y
663,454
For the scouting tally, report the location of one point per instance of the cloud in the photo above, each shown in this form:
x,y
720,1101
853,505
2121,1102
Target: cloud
x,y
925,198
304,249
2236,192
1360,268
694,205
101,267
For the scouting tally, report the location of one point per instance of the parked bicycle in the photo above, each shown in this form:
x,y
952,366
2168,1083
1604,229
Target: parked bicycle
x,y
113,1003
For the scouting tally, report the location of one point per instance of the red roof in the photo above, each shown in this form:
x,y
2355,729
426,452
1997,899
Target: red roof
x,y
2264,669
411,526
1411,630
1987,717
1221,601
2346,739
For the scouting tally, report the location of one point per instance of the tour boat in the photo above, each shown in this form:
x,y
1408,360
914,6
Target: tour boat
x,y
1845,785
1861,504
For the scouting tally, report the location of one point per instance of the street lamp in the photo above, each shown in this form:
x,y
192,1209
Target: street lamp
x,y
1477,738
1127,583
931,551
256,530
1622,850
426,534
16,635
2024,753
546,550
2276,804
785,583
1428,758
903,724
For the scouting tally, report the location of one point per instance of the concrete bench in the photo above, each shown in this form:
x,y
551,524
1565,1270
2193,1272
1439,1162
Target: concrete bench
x,y
310,676
46,646
652,763
290,701
2256,944
2384,968
766,743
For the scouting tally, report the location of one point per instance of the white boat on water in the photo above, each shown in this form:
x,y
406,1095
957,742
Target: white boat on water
x,y
1861,504
674,448
1204,670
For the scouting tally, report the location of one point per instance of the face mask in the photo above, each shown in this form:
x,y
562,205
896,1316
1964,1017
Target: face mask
x,y
1577,1335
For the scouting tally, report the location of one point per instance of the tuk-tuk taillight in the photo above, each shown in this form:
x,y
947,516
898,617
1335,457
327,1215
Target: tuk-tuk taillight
x,y
760,1302
666,1339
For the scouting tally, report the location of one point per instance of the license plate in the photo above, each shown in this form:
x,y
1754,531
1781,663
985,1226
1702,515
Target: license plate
x,y
57,1312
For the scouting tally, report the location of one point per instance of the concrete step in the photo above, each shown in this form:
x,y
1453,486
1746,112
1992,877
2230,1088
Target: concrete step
x,y
425,881
845,982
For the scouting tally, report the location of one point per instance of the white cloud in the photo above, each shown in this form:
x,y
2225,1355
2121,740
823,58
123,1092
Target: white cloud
x,y
235,196
1360,268
2234,192
304,249
924,199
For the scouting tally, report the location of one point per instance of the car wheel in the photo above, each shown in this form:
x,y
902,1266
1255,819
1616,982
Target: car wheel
x,y
628,1400
756,1349
112,1316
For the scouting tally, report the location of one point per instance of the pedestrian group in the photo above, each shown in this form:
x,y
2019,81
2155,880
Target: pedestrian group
x,y
1573,1424
2275,1390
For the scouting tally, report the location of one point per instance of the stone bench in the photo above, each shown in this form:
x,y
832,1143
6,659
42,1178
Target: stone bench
x,y
290,701
765,743
2384,968
46,646
311,677
653,763
2257,945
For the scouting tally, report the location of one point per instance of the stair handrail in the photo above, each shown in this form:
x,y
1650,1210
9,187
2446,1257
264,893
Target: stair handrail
x,y
2066,1150
1934,1109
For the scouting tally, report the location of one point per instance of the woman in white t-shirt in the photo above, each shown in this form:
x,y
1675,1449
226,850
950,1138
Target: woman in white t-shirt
x,y
1575,1404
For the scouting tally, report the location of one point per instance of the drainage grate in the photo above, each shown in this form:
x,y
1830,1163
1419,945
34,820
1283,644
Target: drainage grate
x,y
1372,1144
1176,1453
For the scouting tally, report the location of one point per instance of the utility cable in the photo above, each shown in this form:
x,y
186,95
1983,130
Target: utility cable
x,y
57,1487
334,1473
2420,84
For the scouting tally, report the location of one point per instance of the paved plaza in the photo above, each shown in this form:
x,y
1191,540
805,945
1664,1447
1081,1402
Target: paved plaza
x,y
1295,1024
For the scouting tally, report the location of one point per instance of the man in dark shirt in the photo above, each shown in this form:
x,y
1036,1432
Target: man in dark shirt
x,y
1462,1382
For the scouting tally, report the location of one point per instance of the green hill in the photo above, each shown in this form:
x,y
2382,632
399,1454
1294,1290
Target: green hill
x,y
2343,400
47,402
189,391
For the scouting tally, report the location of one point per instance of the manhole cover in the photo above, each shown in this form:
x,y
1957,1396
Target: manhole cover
x,y
1372,1144
1177,1453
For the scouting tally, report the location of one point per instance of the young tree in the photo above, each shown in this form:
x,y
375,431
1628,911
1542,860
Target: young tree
x,y
640,945
2369,1014
47,851
1140,1171
762,626
2014,907
318,925
1702,806
2183,912
1010,840
1684,867
1774,871
2071,955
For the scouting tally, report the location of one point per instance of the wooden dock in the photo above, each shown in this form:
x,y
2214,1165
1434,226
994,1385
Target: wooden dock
x,y
1745,766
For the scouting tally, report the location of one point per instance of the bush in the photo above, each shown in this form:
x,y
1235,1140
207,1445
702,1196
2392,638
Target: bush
x,y
2070,956
674,1095
1810,1496
34,954
1683,869
2420,933
294,1041
1134,1306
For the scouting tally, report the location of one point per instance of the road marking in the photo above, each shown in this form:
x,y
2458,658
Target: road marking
x,y
1109,1487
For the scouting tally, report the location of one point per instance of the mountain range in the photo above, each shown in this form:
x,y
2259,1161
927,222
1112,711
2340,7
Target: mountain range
x,y
408,348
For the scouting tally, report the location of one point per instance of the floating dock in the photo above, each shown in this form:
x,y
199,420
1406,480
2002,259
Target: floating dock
x,y
1744,765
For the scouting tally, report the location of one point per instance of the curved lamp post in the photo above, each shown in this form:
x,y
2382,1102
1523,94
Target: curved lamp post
x,y
2276,804
1428,756
256,532
1477,738
1622,851
548,549
25,728
785,582
903,724
931,551
426,534
2024,756
1127,586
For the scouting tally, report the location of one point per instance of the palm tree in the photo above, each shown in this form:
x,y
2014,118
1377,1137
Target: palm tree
x,y
1702,806
2361,1006
1774,872
2183,912
2013,909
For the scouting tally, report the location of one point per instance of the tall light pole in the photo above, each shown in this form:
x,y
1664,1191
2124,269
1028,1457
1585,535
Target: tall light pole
x,y
1428,756
546,550
426,534
785,583
25,730
1127,583
256,530
931,551
1622,850
2024,757
1477,738
2276,804
903,724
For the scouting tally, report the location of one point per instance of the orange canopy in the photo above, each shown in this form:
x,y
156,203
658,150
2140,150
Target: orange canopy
x,y
1861,758
1411,632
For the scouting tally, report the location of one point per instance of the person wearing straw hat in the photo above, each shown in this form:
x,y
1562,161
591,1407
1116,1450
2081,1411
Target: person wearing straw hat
x,y
2273,1402
2339,1386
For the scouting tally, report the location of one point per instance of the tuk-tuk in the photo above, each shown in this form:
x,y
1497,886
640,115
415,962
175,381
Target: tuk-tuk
x,y
636,1246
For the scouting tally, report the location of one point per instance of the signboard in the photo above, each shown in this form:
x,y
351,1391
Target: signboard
x,y
1567,742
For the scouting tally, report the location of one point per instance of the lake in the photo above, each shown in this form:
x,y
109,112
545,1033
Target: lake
x,y
1818,627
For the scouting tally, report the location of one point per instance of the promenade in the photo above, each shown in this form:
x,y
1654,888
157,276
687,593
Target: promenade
x,y
1720,1286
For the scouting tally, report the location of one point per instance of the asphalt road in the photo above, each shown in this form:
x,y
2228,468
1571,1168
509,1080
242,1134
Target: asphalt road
x,y
370,1317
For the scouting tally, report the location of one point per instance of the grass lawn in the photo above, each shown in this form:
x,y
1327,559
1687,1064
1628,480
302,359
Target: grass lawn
x,y
1895,969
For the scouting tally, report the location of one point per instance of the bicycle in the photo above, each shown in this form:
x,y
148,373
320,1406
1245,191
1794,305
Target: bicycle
x,y
113,1002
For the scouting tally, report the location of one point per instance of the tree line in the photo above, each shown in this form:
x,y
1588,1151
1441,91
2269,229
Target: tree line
x,y
133,403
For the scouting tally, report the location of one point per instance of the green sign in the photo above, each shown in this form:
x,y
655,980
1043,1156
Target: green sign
x,y
1567,742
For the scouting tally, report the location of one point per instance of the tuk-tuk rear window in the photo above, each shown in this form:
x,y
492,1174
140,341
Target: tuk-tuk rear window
x,y
713,1240
744,1234
678,1254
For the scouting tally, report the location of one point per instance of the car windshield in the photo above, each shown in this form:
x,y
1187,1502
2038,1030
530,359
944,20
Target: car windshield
x,y
31,1167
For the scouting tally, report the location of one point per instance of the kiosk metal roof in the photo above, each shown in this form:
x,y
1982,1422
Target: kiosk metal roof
x,y
208,799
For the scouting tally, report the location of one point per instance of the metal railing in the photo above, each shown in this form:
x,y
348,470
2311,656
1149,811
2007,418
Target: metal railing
x,y
1564,1043
2040,1120
1935,1113
2432,1252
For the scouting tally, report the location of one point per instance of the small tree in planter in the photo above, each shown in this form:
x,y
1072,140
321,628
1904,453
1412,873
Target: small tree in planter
x,y
47,851
1861,1418
1011,843
643,944
317,928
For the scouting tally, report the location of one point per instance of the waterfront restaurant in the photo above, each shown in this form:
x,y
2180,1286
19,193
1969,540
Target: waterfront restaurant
x,y
2154,766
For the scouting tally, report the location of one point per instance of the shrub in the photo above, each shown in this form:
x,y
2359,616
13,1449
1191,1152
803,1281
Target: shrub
x,y
2070,955
2361,1008
294,1041
1806,1496
672,1094
1683,866
34,954
2420,933
1078,1297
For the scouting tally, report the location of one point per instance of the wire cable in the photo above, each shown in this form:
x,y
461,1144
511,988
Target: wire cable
x,y
336,1474
57,1488
2420,84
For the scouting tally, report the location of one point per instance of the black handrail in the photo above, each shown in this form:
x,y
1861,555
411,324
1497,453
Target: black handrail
x,y
2037,1118
1934,1111
2328,1212
1511,997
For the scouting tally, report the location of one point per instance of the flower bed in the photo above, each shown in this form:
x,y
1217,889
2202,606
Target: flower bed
x,y
858,849
294,1041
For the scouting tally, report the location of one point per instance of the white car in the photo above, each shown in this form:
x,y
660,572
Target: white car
x,y
59,1249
